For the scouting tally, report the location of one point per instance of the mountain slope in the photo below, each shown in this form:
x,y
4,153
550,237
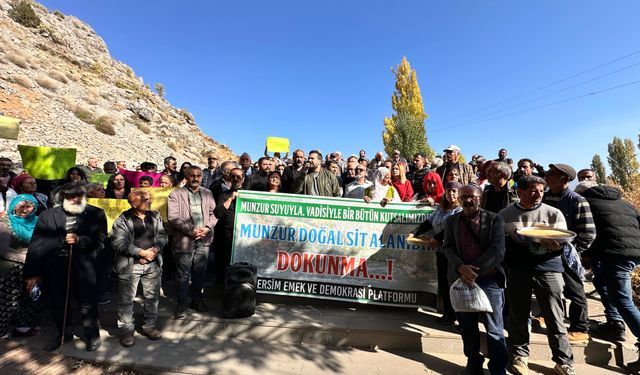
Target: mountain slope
x,y
61,81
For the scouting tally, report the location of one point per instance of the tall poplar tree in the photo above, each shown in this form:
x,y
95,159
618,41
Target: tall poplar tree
x,y
598,167
404,130
623,163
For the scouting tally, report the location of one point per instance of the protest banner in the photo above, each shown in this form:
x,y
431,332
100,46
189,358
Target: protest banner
x,y
9,127
47,163
114,207
159,198
276,144
133,177
335,248
102,178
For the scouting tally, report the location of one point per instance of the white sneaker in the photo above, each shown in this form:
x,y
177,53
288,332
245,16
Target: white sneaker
x,y
564,369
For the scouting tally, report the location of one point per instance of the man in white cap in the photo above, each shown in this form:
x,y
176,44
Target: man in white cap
x,y
450,158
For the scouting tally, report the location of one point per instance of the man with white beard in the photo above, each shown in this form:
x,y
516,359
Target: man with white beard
x,y
71,233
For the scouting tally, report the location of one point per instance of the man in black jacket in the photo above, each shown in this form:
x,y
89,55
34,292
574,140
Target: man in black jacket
x,y
614,254
71,232
259,181
291,172
225,211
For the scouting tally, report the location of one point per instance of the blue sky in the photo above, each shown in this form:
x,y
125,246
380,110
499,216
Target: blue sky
x,y
318,72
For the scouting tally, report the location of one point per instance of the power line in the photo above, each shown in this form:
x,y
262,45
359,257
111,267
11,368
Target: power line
x,y
540,106
553,93
542,87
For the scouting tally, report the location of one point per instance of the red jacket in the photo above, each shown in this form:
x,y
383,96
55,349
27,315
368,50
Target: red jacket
x,y
405,191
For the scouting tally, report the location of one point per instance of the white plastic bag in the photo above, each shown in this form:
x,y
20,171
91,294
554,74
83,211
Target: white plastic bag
x,y
468,297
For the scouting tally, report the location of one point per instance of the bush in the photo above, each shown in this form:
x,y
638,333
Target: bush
x,y
58,14
160,89
24,14
17,59
22,80
142,126
173,146
104,124
59,77
47,83
83,114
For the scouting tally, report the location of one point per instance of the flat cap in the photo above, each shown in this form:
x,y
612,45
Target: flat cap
x,y
566,169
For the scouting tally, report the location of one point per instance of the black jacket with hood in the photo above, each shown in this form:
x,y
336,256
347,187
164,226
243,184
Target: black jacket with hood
x,y
617,224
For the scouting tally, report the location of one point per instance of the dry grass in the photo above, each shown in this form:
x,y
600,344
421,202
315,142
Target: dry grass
x,y
174,146
105,124
18,60
47,83
83,114
142,126
23,81
59,76
92,96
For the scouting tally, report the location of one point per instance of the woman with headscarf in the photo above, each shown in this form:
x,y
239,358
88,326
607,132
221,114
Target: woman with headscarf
x,y
433,188
17,309
382,191
433,228
26,184
400,182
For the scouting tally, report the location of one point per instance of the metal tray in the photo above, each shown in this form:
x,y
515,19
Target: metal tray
x,y
569,235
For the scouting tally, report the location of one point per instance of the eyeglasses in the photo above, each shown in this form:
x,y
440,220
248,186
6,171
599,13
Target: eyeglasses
x,y
236,176
360,169
470,196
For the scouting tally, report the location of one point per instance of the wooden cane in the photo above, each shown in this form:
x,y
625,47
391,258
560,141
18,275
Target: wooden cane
x,y
66,300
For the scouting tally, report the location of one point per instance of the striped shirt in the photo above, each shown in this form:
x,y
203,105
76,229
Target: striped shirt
x,y
577,213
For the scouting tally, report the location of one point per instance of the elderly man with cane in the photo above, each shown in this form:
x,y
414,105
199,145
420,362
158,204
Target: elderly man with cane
x,y
62,254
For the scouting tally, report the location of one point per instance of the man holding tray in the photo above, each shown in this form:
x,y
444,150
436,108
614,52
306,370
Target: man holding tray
x,y
535,266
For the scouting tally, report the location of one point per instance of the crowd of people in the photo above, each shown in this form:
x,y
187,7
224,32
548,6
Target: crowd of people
x,y
480,206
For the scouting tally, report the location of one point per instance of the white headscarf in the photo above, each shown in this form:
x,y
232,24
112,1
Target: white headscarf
x,y
379,191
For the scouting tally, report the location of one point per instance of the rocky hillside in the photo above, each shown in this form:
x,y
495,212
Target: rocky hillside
x,y
57,76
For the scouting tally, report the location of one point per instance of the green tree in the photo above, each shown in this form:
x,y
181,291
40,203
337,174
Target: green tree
x,y
159,89
598,167
623,163
404,130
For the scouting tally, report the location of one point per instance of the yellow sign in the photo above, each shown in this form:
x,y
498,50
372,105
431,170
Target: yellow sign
x,y
159,197
47,163
9,127
275,144
114,207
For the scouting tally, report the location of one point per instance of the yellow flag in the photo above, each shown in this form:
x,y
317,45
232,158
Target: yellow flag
x,y
276,144
112,208
159,198
47,163
9,127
